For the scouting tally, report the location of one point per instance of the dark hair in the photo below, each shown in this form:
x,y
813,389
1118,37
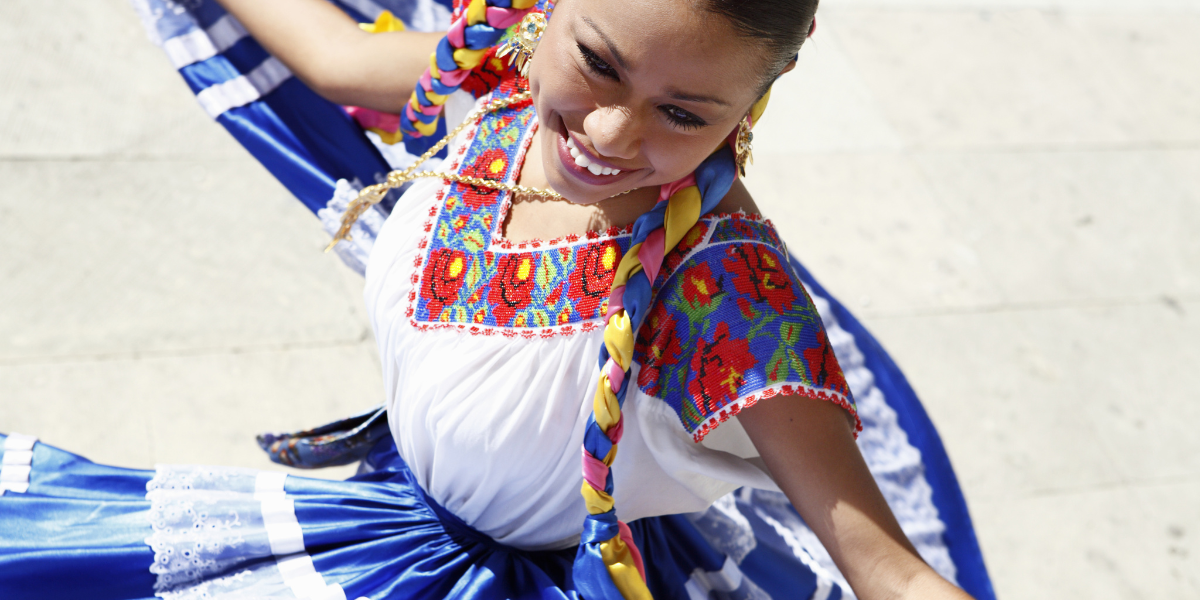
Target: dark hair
x,y
781,26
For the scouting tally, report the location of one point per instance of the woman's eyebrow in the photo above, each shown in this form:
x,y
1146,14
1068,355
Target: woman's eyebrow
x,y
612,48
677,95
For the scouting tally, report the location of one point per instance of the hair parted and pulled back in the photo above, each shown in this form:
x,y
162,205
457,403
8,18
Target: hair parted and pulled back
x,y
779,26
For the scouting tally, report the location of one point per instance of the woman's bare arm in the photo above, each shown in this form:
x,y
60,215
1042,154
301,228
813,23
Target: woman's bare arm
x,y
327,50
808,445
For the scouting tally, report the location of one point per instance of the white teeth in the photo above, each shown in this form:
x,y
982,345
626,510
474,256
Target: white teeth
x,y
581,160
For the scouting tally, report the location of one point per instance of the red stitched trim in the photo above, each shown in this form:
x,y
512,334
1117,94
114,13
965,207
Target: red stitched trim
x,y
803,391
510,332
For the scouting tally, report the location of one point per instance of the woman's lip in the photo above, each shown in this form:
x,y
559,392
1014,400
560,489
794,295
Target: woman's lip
x,y
592,157
580,173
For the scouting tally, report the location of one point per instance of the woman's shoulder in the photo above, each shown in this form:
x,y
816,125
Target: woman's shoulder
x,y
731,324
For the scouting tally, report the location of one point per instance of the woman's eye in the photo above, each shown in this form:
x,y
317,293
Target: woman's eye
x,y
597,64
682,118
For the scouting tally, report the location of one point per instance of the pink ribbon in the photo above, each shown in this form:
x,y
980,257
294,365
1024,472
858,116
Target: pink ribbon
x,y
627,536
455,77
455,33
594,471
616,300
615,432
616,375
373,119
665,192
651,253
501,18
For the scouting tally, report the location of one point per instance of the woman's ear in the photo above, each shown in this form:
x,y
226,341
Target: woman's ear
x,y
791,65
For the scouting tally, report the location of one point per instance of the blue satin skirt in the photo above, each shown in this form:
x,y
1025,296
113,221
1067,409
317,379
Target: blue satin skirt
x,y
83,530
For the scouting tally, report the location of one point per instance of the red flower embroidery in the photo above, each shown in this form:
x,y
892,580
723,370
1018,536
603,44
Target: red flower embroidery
x,y
744,228
443,277
699,286
823,365
489,74
690,240
591,280
717,369
759,274
491,164
512,286
660,348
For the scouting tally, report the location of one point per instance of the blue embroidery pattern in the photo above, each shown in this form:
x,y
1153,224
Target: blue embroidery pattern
x,y
732,326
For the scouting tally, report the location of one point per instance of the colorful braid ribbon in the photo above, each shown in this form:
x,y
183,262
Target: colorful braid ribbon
x,y
608,566
463,50
471,35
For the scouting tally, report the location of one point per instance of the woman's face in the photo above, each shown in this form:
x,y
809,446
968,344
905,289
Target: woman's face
x,y
648,88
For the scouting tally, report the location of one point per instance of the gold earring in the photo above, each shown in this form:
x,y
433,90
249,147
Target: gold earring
x,y
741,146
523,42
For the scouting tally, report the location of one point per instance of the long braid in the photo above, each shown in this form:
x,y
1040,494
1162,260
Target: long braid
x,y
608,565
469,38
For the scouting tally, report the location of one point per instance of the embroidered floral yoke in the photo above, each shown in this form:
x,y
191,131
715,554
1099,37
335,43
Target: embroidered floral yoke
x,y
730,324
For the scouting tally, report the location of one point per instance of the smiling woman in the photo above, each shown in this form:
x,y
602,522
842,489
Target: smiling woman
x,y
640,302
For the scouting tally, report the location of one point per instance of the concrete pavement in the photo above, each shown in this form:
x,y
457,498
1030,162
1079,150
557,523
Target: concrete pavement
x,y
1007,192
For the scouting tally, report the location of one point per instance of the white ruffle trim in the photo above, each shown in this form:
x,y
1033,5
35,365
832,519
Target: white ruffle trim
x,y
355,251
17,463
223,532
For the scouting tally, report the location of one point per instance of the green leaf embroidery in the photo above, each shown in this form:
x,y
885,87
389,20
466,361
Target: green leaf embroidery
x,y
799,367
549,271
473,241
474,274
789,332
777,367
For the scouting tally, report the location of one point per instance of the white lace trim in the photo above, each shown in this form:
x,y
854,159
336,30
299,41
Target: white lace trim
x,y
223,532
355,251
17,463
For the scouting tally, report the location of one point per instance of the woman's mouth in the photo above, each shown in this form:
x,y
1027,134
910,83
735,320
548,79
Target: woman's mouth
x,y
582,160
585,166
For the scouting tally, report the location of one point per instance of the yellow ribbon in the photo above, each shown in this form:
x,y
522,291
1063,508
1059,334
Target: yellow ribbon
x,y
630,264
384,23
597,501
605,405
622,569
618,338
683,211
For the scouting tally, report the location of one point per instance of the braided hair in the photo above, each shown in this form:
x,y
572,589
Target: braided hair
x,y
608,565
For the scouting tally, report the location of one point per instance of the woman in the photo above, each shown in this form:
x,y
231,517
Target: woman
x,y
489,334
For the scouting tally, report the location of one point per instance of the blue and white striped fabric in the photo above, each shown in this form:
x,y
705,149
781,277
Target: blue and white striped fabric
x,y
305,141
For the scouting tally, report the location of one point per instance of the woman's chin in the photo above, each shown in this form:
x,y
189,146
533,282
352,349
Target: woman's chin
x,y
573,191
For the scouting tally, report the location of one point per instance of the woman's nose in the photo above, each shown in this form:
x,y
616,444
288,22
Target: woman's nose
x,y
614,132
